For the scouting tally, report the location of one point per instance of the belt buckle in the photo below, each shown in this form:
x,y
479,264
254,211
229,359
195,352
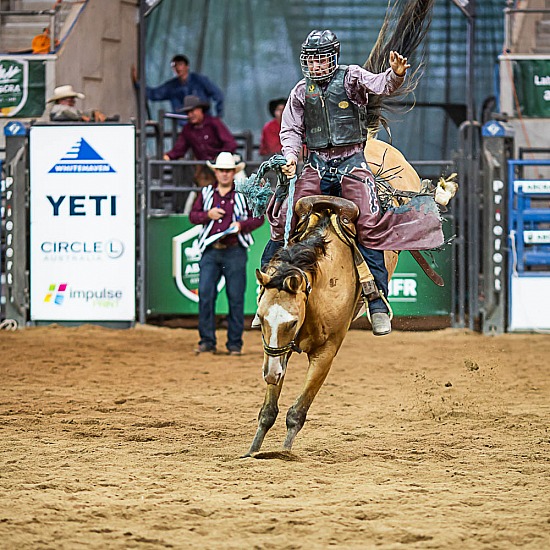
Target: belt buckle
x,y
219,246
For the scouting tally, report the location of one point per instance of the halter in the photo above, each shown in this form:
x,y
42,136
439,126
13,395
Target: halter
x,y
291,346
281,350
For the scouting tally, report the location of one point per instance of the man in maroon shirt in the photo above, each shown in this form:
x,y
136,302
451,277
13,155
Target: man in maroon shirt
x,y
226,235
206,136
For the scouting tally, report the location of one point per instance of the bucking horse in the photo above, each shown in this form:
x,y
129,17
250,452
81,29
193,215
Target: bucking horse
x,y
310,292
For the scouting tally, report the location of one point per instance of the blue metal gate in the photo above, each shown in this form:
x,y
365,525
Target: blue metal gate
x,y
529,236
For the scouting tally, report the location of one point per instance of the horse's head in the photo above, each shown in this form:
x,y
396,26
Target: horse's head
x,y
282,310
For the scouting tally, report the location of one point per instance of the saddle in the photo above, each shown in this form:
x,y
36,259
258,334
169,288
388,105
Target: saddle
x,y
309,210
342,214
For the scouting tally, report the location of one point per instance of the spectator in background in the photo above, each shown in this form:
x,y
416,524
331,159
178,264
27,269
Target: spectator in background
x,y
219,208
64,107
183,85
206,136
41,42
270,144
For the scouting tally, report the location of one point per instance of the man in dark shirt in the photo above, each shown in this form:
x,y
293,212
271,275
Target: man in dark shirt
x,y
184,84
220,209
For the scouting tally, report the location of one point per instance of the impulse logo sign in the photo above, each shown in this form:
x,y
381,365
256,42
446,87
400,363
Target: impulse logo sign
x,y
61,293
81,158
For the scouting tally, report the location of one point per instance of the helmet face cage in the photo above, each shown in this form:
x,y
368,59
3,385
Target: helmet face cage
x,y
318,65
319,55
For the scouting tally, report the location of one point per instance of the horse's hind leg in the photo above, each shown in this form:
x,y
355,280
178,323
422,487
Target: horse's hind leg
x,y
319,366
268,415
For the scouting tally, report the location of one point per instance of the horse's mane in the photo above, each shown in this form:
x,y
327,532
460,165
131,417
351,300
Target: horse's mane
x,y
300,256
403,30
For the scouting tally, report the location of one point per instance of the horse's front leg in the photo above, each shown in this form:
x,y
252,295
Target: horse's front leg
x,y
268,415
319,367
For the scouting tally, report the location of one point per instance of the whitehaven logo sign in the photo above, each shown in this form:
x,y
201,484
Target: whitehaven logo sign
x,y
81,158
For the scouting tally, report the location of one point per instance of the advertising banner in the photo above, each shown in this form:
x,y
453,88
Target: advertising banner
x,y
412,293
82,223
173,274
173,267
22,87
532,81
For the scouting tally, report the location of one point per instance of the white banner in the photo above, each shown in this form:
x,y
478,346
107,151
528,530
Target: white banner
x,y
82,223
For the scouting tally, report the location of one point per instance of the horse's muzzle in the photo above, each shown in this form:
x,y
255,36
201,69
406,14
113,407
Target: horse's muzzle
x,y
274,368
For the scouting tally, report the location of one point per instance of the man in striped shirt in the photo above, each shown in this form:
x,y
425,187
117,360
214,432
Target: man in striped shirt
x,y
226,235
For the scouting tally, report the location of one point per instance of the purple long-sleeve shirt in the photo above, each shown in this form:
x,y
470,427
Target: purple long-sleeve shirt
x,y
358,83
207,140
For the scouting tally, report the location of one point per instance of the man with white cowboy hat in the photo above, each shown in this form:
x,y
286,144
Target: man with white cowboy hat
x,y
64,109
226,235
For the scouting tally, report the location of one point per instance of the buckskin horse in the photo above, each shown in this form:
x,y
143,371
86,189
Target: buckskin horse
x,y
308,299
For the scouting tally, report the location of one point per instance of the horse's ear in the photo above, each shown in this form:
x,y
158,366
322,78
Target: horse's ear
x,y
293,283
262,277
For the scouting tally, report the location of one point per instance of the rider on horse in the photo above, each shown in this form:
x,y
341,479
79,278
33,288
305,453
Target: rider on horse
x,y
328,111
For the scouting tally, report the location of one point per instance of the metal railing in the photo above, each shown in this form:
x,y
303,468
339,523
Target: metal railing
x,y
467,243
16,288
53,20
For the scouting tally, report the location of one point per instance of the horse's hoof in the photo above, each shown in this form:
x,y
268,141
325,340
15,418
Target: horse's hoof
x,y
248,455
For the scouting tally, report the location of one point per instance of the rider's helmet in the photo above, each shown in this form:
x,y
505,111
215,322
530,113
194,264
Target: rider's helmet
x,y
319,55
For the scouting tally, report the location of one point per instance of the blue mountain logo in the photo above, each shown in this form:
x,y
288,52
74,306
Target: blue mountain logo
x,y
81,158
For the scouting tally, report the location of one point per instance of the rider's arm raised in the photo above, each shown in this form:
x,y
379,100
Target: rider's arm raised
x,y
359,81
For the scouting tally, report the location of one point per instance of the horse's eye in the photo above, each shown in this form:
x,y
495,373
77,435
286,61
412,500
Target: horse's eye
x,y
293,324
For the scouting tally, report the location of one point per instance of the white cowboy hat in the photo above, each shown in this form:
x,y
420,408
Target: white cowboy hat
x,y
61,92
226,161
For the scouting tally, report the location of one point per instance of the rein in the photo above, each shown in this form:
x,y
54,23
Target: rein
x,y
291,346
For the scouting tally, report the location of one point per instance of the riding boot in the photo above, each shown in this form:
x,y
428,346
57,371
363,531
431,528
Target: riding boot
x,y
269,251
379,312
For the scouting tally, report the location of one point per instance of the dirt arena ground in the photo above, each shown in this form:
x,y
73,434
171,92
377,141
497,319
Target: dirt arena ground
x,y
124,439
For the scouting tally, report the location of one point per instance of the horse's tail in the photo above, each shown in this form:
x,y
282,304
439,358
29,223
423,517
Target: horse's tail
x,y
403,30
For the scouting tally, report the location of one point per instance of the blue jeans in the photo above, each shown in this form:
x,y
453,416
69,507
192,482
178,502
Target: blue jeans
x,y
230,263
375,261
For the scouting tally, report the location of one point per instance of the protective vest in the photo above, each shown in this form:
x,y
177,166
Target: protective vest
x,y
330,117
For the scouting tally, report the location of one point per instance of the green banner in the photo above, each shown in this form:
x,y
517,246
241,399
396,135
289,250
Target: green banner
x,y
412,293
22,87
173,274
173,267
532,81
